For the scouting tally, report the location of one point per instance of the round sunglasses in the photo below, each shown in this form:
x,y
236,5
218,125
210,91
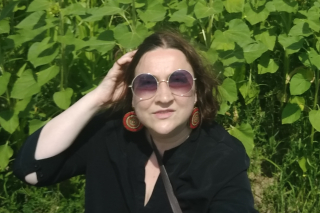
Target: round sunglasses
x,y
145,85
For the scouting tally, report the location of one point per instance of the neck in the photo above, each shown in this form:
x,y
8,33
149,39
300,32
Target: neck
x,y
169,141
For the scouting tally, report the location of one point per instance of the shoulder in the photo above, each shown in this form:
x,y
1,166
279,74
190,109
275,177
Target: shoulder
x,y
215,135
221,147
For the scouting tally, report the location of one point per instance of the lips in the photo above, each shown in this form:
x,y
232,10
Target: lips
x,y
163,114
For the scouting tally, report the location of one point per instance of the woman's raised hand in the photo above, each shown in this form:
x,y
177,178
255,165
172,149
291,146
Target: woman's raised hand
x,y
110,88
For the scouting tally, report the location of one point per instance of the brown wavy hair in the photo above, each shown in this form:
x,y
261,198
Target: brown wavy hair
x,y
206,83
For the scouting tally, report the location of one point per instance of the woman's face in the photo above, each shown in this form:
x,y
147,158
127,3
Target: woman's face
x,y
165,112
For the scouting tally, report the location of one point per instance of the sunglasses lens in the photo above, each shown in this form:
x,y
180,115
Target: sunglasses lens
x,y
144,86
180,82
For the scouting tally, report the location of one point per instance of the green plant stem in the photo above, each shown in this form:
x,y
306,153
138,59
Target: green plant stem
x,y
63,67
134,15
286,63
209,28
315,102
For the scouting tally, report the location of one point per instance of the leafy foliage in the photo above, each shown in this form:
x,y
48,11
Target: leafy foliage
x,y
266,54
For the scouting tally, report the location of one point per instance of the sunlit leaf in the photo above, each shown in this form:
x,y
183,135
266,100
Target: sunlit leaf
x,y
103,43
4,80
201,10
290,113
98,13
291,44
155,12
35,124
25,35
266,39
249,91
43,52
313,16
301,28
74,9
231,57
63,98
9,121
255,16
299,84
4,26
289,6
310,58
30,21
267,64
234,6
314,118
130,39
183,16
217,6
299,101
221,42
239,32
25,86
228,90
46,75
244,133
224,107
21,105
6,153
254,51
303,163
37,5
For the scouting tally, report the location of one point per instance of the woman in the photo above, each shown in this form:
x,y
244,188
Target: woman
x,y
170,87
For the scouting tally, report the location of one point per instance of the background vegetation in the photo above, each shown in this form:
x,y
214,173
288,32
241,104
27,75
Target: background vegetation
x,y
265,52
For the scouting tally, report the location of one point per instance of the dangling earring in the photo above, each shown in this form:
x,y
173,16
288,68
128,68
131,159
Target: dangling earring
x,y
131,122
194,118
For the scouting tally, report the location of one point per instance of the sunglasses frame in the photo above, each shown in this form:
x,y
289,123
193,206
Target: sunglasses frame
x,y
158,82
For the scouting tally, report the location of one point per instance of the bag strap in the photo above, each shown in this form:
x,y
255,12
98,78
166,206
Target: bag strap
x,y
165,178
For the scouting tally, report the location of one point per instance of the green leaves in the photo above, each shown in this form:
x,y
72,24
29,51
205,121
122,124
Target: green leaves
x,y
290,6
9,121
37,5
43,52
291,44
299,84
63,98
228,90
234,6
4,26
130,39
201,10
267,64
25,86
154,12
290,113
239,32
245,134
6,153
255,16
4,80
46,75
314,118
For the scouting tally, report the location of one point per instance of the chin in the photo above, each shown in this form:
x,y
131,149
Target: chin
x,y
163,129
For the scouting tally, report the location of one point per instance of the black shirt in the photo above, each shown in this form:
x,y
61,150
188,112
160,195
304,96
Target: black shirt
x,y
207,171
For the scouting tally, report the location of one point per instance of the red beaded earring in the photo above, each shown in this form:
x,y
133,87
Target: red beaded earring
x,y
194,120
131,122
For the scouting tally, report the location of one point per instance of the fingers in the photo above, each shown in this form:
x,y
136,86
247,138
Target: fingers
x,y
126,58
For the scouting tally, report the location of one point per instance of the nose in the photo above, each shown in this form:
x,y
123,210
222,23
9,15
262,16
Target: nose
x,y
163,94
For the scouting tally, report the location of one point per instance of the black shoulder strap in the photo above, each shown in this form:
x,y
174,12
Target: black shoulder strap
x,y
167,185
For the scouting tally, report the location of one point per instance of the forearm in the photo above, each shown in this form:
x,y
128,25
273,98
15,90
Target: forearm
x,y
60,132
